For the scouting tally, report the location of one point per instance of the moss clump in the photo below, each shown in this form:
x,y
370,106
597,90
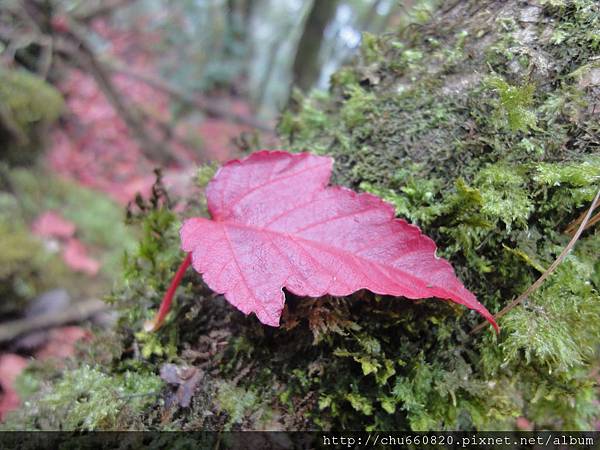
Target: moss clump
x,y
27,105
86,398
26,268
513,104
29,265
239,405
98,219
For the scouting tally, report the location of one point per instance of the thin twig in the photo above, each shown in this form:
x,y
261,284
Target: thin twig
x,y
103,8
75,313
570,230
46,59
85,56
548,271
187,98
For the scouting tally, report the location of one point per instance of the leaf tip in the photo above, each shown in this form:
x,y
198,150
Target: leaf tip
x,y
491,320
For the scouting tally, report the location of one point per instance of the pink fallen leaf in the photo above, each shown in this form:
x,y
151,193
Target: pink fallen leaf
x,y
185,377
275,224
51,224
76,256
524,424
60,342
11,366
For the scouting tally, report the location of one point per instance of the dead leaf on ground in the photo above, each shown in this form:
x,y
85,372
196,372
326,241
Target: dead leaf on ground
x,y
186,378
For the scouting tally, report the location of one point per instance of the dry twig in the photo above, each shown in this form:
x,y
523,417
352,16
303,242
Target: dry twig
x,y
531,289
85,57
75,313
570,230
188,99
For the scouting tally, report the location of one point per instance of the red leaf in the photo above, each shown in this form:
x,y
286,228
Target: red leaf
x,y
76,257
11,366
275,224
60,342
51,224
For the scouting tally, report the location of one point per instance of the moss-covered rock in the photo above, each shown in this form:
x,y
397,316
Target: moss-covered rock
x,y
27,106
479,126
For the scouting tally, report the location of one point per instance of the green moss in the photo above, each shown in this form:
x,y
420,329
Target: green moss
x,y
494,173
503,195
370,48
358,104
88,398
98,219
26,268
548,328
237,403
27,105
574,41
514,105
16,94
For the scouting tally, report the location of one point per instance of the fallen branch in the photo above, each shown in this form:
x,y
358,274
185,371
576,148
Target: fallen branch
x,y
85,57
531,289
188,99
74,314
103,8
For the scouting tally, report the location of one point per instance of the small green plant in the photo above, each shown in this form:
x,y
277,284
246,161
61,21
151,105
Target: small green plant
x,y
514,104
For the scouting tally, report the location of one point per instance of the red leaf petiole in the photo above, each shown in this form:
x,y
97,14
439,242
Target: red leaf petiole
x,y
165,305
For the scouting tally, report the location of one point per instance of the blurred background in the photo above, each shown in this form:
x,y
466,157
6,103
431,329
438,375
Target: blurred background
x,y
95,95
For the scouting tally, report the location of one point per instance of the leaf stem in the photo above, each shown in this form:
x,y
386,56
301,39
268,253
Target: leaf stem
x,y
165,305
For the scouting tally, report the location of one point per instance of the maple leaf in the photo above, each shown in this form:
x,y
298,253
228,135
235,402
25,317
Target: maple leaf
x,y
276,224
186,378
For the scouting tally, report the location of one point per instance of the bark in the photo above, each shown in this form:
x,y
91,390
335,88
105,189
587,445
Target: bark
x,y
371,15
74,314
306,63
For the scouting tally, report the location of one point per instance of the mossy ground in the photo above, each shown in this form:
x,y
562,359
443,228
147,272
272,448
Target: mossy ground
x,y
26,269
488,140
27,106
29,265
99,220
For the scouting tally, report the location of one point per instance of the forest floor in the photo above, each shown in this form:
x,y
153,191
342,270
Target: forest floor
x,y
91,169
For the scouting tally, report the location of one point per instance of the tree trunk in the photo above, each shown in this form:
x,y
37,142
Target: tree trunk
x,y
306,63
370,16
